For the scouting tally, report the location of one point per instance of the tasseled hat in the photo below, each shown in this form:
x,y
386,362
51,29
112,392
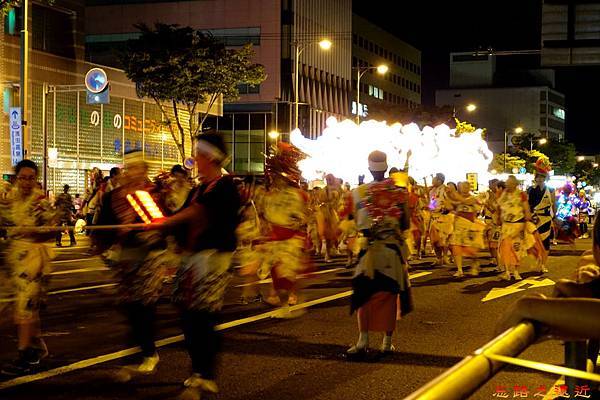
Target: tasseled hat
x,y
284,162
542,167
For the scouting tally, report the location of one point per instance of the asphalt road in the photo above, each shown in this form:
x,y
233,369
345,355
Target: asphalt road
x,y
274,358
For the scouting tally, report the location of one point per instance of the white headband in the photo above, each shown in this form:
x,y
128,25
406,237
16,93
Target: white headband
x,y
210,150
378,166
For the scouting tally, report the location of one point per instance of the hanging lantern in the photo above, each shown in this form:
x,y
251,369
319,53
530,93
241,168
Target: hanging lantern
x,y
145,206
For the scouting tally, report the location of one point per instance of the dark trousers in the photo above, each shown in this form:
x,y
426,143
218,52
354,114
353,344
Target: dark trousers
x,y
202,341
71,232
141,321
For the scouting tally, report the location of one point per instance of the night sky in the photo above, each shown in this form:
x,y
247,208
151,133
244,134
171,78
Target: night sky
x,y
437,28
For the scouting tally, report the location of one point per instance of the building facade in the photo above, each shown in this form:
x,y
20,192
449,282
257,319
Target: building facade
x,y
570,32
400,86
276,28
503,100
80,136
538,110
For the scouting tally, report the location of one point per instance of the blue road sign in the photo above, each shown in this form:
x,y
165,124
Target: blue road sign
x,y
96,80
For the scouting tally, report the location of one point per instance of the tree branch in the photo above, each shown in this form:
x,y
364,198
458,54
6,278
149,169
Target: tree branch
x,y
181,130
168,121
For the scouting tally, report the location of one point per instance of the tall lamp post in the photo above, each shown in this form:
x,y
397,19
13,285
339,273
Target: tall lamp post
x,y
518,130
299,47
360,71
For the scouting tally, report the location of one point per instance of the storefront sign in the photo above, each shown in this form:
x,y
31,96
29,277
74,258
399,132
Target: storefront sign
x,y
16,135
473,181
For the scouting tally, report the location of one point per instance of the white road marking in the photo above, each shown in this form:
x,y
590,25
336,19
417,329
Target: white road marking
x,y
68,248
551,393
75,260
83,288
174,339
520,286
326,271
269,280
80,270
79,289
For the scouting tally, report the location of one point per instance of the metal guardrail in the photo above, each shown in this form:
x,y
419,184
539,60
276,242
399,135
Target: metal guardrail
x,y
466,377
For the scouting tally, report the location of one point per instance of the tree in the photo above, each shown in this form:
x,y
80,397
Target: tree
x,y
511,162
181,68
587,171
562,156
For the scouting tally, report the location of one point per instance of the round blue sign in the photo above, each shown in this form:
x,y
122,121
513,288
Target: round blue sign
x,y
96,80
189,163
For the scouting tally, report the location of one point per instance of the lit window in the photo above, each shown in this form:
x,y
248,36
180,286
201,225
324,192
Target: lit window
x,y
559,113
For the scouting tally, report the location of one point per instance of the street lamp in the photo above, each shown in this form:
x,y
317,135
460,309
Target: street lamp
x,y
471,107
299,47
273,135
517,130
360,71
543,141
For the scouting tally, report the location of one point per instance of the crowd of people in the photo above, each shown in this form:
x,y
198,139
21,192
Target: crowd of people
x,y
195,230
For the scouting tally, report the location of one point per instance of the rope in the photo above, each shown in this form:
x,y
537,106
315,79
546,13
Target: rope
x,y
553,369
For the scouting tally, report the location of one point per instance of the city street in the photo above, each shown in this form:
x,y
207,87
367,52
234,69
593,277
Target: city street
x,y
274,358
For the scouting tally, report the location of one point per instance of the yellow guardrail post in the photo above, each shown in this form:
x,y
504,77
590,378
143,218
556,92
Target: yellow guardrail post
x,y
466,377
576,358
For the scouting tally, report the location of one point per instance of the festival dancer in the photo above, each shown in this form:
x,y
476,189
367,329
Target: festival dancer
x,y
210,221
417,225
138,259
381,278
584,206
66,209
327,218
566,214
468,233
442,221
517,238
284,209
248,250
491,213
312,226
28,260
542,204
178,188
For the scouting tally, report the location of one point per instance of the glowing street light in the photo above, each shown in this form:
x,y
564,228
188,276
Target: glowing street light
x,y
543,141
299,47
274,135
471,107
325,44
580,158
382,69
518,130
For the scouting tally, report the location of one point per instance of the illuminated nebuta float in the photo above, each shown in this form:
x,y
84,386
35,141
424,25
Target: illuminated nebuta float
x,y
343,148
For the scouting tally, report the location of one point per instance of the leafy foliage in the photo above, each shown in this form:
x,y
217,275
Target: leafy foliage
x,y
586,171
511,162
6,5
182,68
562,156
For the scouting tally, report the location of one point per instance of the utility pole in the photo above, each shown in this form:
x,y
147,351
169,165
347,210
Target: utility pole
x,y
24,71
